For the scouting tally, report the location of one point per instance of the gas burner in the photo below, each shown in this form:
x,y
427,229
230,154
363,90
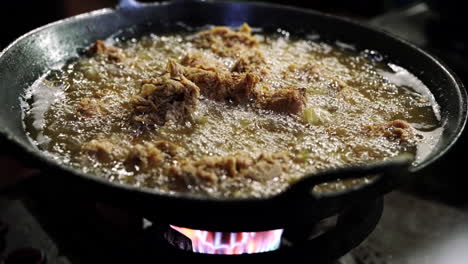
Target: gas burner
x,y
224,243
325,241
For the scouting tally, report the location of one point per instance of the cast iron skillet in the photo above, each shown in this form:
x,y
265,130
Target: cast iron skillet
x,y
35,53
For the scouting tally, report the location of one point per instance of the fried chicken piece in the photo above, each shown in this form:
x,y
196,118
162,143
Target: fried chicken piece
x,y
226,42
267,166
149,155
250,62
397,129
141,156
290,99
104,149
218,85
208,170
254,62
240,88
167,98
168,147
112,53
144,156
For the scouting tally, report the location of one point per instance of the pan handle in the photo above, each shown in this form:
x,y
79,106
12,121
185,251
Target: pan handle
x,y
386,176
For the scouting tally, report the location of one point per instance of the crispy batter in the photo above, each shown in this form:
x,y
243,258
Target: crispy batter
x,y
241,88
267,166
169,147
167,98
254,62
286,100
217,84
144,156
103,149
240,165
111,53
226,42
149,155
397,129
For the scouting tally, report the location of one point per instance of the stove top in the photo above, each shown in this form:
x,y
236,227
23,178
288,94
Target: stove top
x,y
411,230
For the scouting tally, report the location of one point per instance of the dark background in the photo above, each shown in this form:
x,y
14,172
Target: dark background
x,y
21,16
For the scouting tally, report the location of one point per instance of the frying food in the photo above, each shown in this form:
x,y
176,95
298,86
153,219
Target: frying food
x,y
225,112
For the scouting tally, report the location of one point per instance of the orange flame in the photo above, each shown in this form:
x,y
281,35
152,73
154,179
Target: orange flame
x,y
232,243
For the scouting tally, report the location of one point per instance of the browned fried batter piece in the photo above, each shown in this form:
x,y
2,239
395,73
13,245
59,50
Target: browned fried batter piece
x,y
217,84
286,100
255,62
169,147
397,129
103,149
240,165
145,155
152,154
167,98
241,88
112,53
226,42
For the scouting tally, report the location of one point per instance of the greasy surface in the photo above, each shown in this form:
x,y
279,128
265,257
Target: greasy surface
x,y
103,117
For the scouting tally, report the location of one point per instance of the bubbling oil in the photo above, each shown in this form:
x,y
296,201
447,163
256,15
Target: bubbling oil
x,y
334,138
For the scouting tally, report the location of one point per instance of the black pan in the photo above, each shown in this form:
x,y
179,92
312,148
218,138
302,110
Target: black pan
x,y
35,53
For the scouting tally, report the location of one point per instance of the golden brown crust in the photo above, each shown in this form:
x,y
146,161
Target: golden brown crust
x,y
209,170
255,63
241,88
112,53
103,149
144,156
166,98
226,42
289,100
397,129
141,156
219,85
169,147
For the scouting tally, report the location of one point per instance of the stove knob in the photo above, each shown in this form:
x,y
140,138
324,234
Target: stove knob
x,y
25,256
